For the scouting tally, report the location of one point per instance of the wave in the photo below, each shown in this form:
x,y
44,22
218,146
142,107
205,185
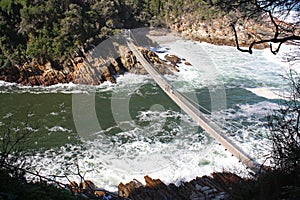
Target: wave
x,y
163,144
71,88
268,93
284,57
108,172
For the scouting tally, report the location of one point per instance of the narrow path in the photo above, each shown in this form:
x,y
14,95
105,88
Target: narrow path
x,y
201,119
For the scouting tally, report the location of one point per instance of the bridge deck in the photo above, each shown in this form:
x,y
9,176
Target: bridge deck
x,y
203,121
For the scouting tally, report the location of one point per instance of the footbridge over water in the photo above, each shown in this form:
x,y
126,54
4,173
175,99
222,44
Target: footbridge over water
x,y
200,118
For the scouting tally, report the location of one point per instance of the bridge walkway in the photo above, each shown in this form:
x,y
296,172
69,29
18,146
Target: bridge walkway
x,y
200,118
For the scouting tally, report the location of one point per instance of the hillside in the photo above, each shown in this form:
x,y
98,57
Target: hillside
x,y
44,42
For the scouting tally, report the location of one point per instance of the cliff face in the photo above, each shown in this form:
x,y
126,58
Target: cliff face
x,y
83,69
218,31
35,74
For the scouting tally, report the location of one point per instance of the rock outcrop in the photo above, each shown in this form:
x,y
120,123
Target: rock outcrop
x,y
218,31
35,74
215,186
84,69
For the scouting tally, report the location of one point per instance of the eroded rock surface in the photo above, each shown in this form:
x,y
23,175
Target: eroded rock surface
x,y
215,186
84,69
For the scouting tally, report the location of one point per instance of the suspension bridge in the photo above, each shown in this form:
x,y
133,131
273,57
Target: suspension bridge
x,y
189,108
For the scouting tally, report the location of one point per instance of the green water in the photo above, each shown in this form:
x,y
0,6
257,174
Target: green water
x,y
51,113
41,112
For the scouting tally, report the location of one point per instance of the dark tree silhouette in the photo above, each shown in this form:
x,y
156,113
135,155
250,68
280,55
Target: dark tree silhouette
x,y
278,12
284,128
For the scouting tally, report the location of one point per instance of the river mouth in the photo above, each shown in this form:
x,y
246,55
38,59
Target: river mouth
x,y
158,139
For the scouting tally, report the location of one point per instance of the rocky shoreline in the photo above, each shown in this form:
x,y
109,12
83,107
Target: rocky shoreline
x,y
219,32
217,186
86,70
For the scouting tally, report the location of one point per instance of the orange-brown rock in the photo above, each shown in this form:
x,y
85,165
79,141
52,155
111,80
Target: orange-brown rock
x,y
73,187
99,193
217,31
206,187
87,185
187,63
85,70
173,59
128,188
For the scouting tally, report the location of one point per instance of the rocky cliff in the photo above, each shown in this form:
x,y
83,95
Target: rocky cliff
x,y
218,30
217,186
84,69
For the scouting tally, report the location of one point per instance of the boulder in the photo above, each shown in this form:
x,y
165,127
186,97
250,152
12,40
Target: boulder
x,y
173,59
87,185
187,63
99,193
108,75
78,60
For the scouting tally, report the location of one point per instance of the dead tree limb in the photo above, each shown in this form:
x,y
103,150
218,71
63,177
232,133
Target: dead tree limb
x,y
281,34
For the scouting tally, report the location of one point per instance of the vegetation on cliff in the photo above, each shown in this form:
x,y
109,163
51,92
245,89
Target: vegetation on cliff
x,y
51,30
40,39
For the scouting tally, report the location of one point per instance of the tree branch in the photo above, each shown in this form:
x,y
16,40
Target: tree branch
x,y
275,24
237,41
274,40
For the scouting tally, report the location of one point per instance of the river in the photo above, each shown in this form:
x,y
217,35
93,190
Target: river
x,y
155,138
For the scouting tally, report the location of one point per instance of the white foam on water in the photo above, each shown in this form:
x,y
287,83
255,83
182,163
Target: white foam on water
x,y
247,126
8,115
71,88
268,93
284,55
3,83
200,74
218,65
259,110
131,80
245,70
188,164
177,155
58,129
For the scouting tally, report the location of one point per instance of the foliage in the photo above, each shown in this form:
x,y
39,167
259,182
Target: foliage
x,y
51,30
15,138
272,185
284,125
16,188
